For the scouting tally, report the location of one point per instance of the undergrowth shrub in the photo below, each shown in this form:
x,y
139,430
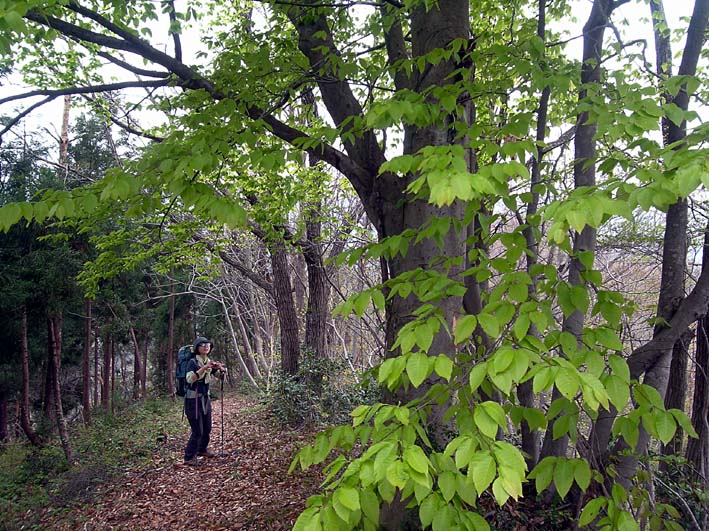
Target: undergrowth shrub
x,y
33,480
323,392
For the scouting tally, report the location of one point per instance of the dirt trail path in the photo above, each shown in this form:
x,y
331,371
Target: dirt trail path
x,y
248,489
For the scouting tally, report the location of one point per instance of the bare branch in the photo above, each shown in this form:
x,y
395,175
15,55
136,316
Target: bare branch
x,y
109,87
175,35
131,68
24,113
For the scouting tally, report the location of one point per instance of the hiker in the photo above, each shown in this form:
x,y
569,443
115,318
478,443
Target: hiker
x,y
198,407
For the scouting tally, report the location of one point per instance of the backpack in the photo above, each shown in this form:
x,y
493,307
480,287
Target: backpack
x,y
184,355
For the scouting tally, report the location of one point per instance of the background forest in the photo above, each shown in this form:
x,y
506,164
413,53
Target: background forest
x,y
465,238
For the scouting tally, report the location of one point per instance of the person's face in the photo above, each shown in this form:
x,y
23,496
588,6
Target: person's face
x,y
204,348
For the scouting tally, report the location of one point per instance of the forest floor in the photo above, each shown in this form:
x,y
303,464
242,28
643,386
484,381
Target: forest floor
x,y
248,488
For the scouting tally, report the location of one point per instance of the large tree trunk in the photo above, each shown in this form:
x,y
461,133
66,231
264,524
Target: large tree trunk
x,y
290,346
86,366
318,287
698,449
25,420
55,329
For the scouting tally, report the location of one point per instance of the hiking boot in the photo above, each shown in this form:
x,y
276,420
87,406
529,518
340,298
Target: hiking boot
x,y
192,462
207,453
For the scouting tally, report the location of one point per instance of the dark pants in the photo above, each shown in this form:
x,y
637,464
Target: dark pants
x,y
201,424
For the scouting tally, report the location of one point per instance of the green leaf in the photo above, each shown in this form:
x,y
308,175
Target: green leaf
x,y
683,420
483,470
309,520
567,381
417,368
543,473
464,328
665,424
427,510
582,474
619,367
416,459
444,366
489,324
591,510
348,497
618,391
369,503
564,475
477,375
446,483
485,423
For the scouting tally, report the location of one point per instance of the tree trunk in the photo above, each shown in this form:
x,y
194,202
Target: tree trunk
x,y
137,369
86,366
698,449
3,416
677,393
290,346
170,361
584,176
25,420
144,367
525,390
48,398
674,251
55,329
97,374
107,370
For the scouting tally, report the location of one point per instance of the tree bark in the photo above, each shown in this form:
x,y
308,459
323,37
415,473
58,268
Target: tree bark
x,y
55,329
107,370
86,366
698,449
25,420
287,318
137,369
170,355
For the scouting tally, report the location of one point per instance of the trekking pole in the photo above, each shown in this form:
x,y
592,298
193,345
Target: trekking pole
x,y
222,453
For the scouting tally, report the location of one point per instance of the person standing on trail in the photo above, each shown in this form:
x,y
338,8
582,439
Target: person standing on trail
x,y
198,407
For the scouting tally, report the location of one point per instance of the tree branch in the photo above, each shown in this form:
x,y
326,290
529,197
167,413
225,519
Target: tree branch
x,y
109,87
690,310
131,68
175,35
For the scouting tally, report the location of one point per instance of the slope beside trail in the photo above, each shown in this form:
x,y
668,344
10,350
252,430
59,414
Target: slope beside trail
x,y
247,489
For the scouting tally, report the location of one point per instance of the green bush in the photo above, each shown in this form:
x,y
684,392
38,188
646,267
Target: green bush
x,y
323,392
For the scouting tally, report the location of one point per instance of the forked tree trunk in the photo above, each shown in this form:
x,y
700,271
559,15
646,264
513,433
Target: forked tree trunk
x,y
55,329
25,420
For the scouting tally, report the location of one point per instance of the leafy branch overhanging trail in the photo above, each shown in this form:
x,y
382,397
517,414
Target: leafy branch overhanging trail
x,y
249,489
